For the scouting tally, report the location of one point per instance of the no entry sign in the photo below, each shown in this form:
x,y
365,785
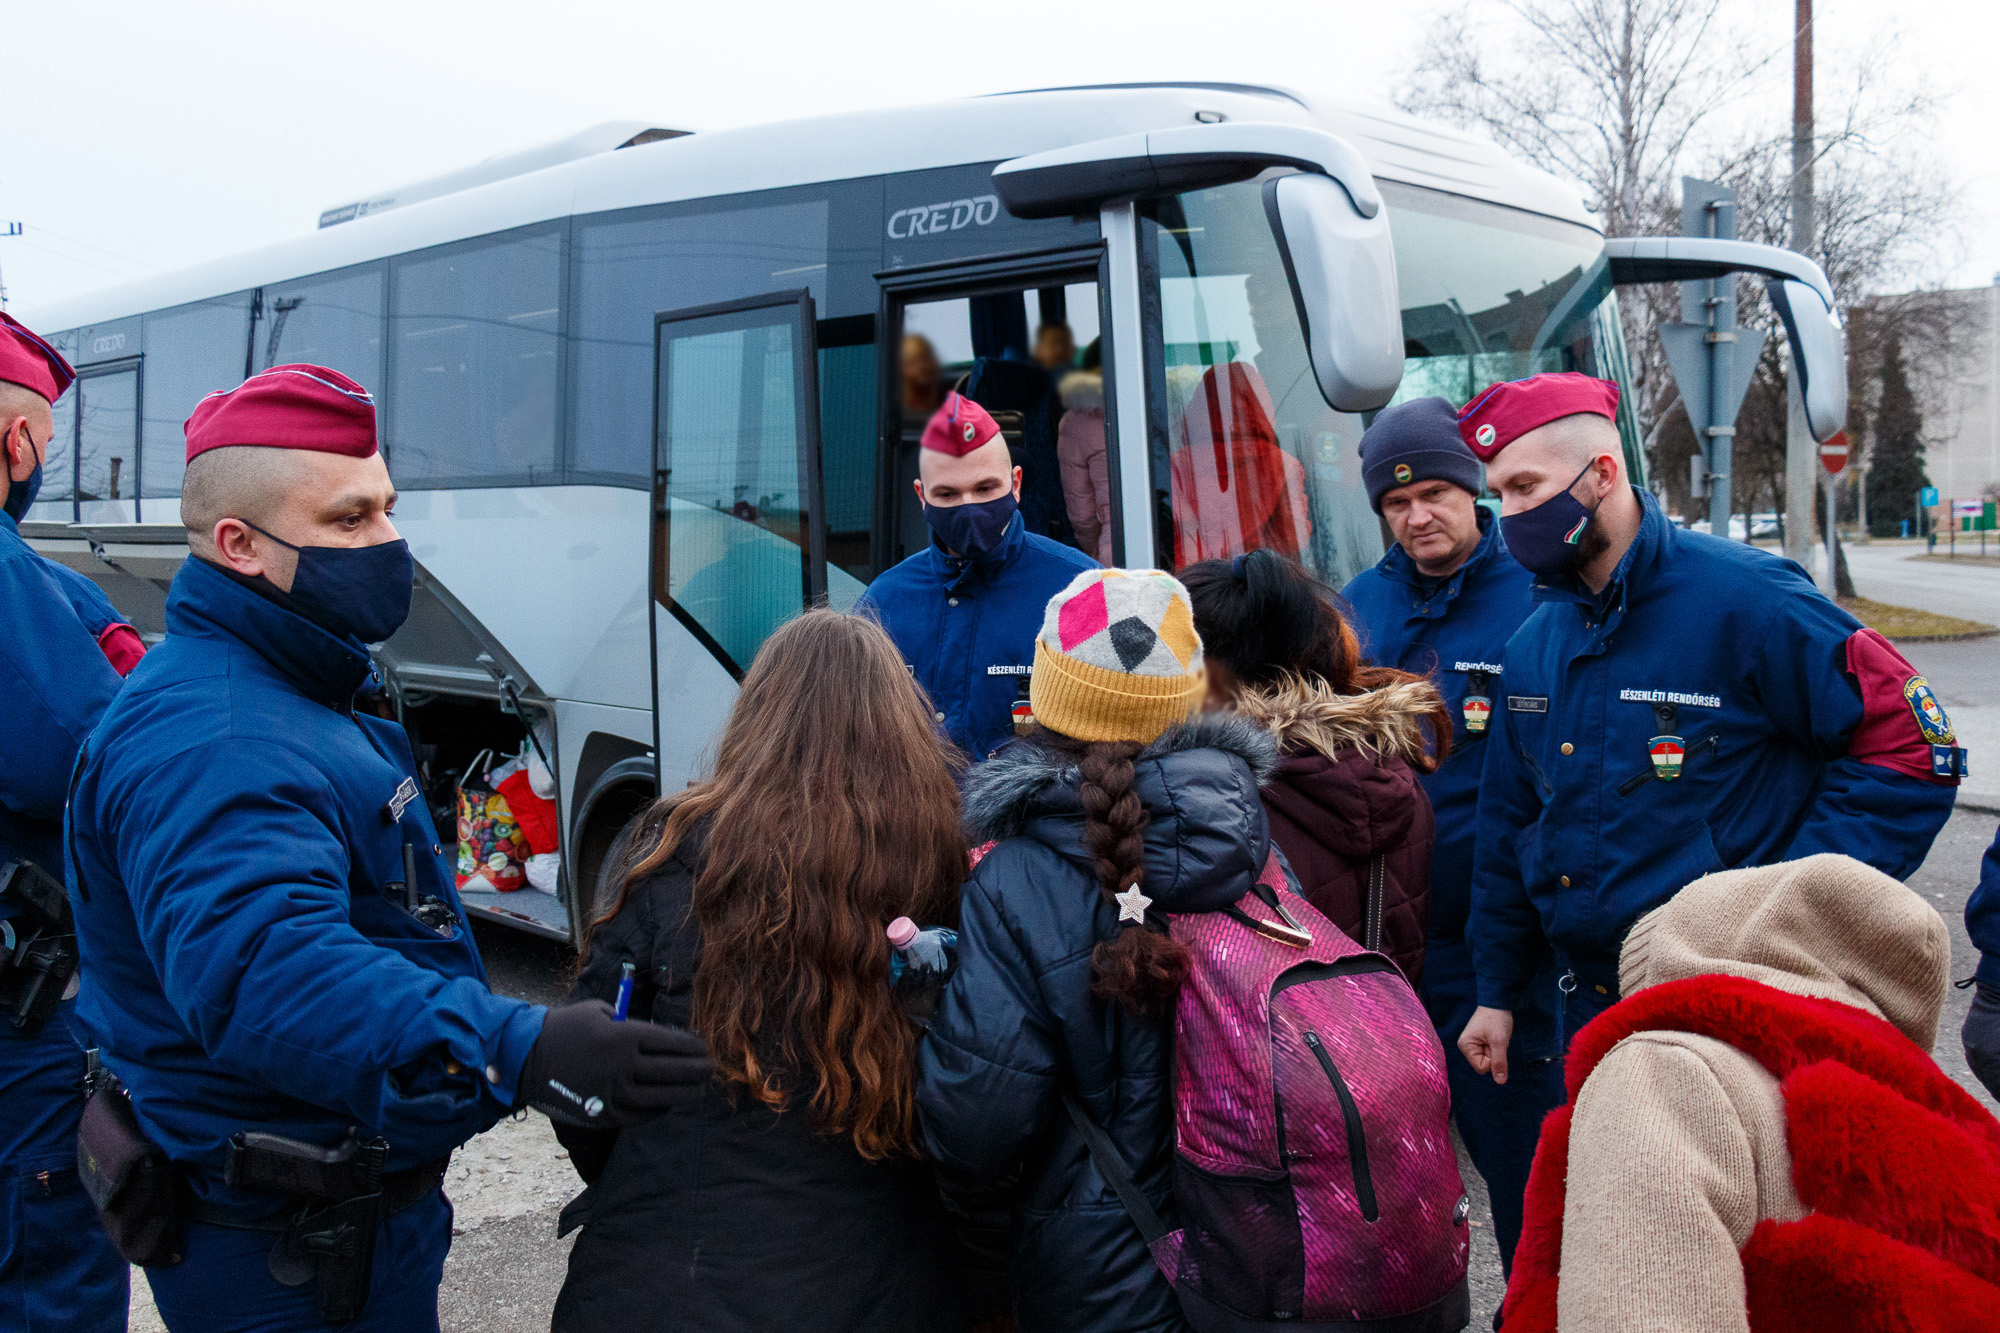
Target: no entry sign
x,y
1833,454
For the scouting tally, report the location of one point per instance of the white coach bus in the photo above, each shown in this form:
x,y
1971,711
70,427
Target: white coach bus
x,y
641,392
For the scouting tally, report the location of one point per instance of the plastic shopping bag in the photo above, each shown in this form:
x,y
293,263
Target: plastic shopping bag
x,y
492,851
536,814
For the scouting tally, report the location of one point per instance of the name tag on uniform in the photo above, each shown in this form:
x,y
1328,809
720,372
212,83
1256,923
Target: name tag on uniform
x,y
405,793
1527,703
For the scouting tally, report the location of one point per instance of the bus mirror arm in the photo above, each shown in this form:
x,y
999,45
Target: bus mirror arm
x,y
1798,290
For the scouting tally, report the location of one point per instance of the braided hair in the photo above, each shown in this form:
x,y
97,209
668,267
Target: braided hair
x,y
1141,969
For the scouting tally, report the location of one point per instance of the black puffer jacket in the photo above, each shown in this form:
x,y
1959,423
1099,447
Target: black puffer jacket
x,y
731,1216
1018,1023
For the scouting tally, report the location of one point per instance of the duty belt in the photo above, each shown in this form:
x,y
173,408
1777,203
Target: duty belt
x,y
37,945
341,1196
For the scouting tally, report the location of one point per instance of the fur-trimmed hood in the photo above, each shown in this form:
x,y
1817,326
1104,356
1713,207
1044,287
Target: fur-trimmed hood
x,y
1304,715
1206,835
1082,390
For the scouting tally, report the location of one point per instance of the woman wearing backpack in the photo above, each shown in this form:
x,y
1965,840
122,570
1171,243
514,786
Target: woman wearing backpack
x,y
1123,804
1345,799
753,912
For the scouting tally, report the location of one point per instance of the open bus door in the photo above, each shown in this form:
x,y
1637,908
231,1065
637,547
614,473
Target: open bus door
x,y
738,542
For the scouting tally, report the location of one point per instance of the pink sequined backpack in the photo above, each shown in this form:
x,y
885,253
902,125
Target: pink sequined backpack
x,y
1313,1171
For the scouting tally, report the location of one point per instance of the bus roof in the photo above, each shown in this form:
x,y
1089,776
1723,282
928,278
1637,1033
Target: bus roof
x,y
1398,147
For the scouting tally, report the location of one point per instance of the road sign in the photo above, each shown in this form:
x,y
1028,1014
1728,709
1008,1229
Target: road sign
x,y
1833,453
1928,497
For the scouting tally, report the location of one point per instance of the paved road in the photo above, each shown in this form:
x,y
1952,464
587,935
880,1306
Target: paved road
x,y
1891,572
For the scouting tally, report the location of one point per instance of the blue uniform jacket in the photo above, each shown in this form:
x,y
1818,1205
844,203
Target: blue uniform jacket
x,y
1982,915
1710,709
1454,636
56,685
235,830
967,628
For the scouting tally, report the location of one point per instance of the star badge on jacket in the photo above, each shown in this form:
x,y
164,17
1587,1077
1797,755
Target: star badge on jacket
x,y
1132,905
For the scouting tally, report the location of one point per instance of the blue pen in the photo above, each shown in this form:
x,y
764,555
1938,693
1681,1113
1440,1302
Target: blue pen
x,y
624,992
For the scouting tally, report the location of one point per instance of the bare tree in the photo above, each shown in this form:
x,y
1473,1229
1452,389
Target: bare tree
x,y
1624,96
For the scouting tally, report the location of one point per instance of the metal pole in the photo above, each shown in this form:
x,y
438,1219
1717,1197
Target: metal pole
x,y
1801,454
1721,302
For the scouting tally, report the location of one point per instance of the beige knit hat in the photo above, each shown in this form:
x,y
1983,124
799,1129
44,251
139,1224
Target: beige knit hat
x,y
1117,658
1825,925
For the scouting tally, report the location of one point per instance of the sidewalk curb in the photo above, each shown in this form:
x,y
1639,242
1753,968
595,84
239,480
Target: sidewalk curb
x,y
1989,805
1945,638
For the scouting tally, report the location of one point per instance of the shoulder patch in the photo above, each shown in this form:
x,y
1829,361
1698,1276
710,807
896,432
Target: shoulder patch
x,y
1930,714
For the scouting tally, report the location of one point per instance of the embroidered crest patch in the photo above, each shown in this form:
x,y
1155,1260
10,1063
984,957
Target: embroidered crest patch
x,y
1930,715
1667,753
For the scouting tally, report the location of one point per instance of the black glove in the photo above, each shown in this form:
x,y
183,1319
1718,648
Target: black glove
x,y
591,1070
1981,1035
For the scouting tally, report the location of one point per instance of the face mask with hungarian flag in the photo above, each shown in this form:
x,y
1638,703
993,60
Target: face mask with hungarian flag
x,y
1546,539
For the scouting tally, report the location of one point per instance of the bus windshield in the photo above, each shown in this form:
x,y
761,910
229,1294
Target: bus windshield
x,y
1246,452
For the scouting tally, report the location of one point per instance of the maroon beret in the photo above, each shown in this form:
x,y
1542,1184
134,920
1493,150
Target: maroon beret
x,y
1507,411
959,427
287,407
27,360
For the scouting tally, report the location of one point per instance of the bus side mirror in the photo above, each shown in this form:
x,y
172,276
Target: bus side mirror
x,y
1819,350
1342,271
1798,289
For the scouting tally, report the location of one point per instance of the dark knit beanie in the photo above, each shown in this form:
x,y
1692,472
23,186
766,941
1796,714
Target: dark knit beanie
x,y
1417,441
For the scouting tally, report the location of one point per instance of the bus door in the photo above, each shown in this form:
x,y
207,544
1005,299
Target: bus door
x,y
1022,336
737,542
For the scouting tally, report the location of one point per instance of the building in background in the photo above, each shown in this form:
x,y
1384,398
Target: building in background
x,y
1951,345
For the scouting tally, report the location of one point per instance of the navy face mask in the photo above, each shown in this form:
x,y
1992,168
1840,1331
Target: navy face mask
x,y
972,531
362,592
21,494
1547,539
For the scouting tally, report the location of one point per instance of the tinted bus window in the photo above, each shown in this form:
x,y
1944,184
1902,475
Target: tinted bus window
x,y
334,320
635,267
847,447
59,468
474,333
195,350
107,443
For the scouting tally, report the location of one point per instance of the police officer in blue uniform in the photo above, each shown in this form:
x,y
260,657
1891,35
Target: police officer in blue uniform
x,y
1981,1033
1676,704
964,610
281,976
1442,602
57,1268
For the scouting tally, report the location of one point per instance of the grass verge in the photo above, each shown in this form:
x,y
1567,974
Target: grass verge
x,y
1908,623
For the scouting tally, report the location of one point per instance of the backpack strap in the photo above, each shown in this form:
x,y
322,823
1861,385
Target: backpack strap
x,y
1371,909
1111,1165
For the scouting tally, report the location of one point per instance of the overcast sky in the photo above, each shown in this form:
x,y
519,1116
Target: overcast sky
x,y
138,137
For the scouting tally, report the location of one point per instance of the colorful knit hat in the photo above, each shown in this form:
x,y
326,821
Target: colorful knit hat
x,y
1118,658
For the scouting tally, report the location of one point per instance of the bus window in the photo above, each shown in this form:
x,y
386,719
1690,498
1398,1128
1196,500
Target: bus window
x,y
194,350
474,333
729,537
847,454
1013,353
334,320
629,269
107,404
1247,453
58,470
1480,286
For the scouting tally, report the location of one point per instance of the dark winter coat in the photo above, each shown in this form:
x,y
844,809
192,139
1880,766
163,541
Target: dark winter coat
x,y
1346,792
731,1216
1018,1024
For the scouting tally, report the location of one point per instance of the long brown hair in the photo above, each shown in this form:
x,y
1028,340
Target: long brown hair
x,y
1267,618
1141,969
832,811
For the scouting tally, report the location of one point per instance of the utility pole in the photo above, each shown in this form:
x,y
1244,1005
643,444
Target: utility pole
x,y
1801,451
